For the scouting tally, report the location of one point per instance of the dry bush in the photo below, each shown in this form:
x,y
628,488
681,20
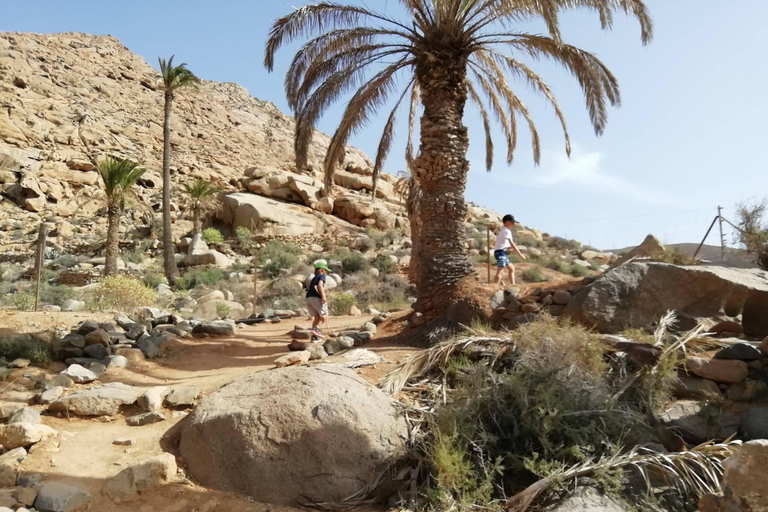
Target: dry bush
x,y
122,293
383,292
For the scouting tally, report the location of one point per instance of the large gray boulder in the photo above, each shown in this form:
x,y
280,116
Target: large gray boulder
x,y
97,401
638,294
293,434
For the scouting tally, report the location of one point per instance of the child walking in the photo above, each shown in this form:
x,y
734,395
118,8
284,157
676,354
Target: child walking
x,y
317,303
504,244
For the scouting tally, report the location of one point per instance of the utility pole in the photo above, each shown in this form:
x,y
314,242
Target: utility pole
x,y
722,235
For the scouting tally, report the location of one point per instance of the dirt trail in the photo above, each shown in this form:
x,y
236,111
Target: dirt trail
x,y
84,454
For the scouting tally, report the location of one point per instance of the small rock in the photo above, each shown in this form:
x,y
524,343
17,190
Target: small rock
x,y
332,346
97,351
13,456
215,328
345,342
123,441
145,418
7,476
355,311
693,387
73,340
754,424
51,395
741,352
152,399
25,495
79,374
561,297
133,355
17,435
58,497
99,336
369,327
19,363
60,381
497,299
103,400
31,480
747,391
718,370
316,351
293,358
86,327
116,361
697,424
182,396
143,477
25,415
6,409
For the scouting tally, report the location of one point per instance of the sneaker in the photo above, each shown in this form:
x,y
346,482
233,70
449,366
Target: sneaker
x,y
316,339
317,332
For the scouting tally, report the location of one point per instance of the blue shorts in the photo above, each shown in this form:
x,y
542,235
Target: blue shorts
x,y
502,260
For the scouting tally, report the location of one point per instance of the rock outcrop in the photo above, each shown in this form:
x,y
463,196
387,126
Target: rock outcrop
x,y
300,433
638,294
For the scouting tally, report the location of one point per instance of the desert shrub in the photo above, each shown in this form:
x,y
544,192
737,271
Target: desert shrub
x,y
244,237
123,293
56,294
340,303
384,293
201,277
384,264
241,266
212,236
280,262
135,254
365,244
283,293
354,262
579,270
277,255
509,423
534,275
65,261
382,239
529,241
223,310
38,351
11,272
676,256
153,279
563,244
24,301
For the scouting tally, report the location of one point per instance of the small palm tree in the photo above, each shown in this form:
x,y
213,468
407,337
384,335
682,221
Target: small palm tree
x,y
200,193
117,176
173,79
439,56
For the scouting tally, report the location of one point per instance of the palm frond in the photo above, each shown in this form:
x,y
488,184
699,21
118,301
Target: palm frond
x,y
175,77
386,143
433,358
692,473
486,125
117,176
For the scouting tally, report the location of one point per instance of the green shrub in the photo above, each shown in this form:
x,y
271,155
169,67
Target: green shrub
x,y
559,265
277,255
283,293
533,275
11,272
559,243
280,262
579,270
122,293
56,294
201,277
65,261
380,238
135,254
39,352
24,301
340,303
244,237
223,310
383,293
212,236
354,262
384,264
153,279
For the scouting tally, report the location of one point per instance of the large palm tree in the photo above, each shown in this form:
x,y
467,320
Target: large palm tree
x,y
445,52
200,193
173,79
117,176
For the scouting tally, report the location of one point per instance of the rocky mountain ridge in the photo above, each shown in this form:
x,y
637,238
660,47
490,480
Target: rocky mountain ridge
x,y
70,99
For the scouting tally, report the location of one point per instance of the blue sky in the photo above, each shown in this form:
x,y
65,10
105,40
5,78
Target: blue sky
x,y
690,134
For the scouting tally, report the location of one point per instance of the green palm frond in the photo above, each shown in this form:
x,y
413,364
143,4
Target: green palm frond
x,y
118,176
200,189
176,77
356,50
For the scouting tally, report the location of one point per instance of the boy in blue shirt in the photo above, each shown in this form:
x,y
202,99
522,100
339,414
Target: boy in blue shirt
x,y
317,302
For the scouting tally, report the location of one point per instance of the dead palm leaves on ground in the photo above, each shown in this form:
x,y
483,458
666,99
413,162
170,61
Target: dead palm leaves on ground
x,y
693,472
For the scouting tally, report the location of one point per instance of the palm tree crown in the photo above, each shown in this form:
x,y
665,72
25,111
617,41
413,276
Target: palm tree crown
x,y
118,176
175,77
357,49
200,190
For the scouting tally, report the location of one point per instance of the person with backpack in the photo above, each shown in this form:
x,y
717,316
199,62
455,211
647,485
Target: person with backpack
x,y
317,301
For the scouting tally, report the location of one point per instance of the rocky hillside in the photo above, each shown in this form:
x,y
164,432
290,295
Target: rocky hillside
x,y
68,99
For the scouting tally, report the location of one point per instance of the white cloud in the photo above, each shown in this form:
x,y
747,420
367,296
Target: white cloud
x,y
582,169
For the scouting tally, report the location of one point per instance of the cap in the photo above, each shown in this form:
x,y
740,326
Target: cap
x,y
509,218
322,264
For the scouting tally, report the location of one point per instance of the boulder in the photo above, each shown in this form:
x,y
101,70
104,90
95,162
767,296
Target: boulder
x,y
212,258
290,452
744,476
8,408
152,399
58,497
16,435
8,478
561,297
143,477
718,370
50,395
13,457
215,328
97,351
741,352
97,401
294,358
269,216
60,380
99,336
650,248
639,293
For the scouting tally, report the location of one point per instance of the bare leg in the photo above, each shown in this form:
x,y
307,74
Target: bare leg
x,y
511,270
318,320
497,279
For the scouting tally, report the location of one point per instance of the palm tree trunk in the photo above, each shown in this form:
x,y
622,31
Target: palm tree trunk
x,y
197,221
113,237
168,253
440,175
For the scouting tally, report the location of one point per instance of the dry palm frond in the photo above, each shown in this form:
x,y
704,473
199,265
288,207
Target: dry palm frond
x,y
432,358
662,329
693,472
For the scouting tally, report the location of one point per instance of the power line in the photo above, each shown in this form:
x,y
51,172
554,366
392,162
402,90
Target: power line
x,y
631,217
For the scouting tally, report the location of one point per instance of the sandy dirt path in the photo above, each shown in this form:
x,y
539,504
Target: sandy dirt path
x,y
84,454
